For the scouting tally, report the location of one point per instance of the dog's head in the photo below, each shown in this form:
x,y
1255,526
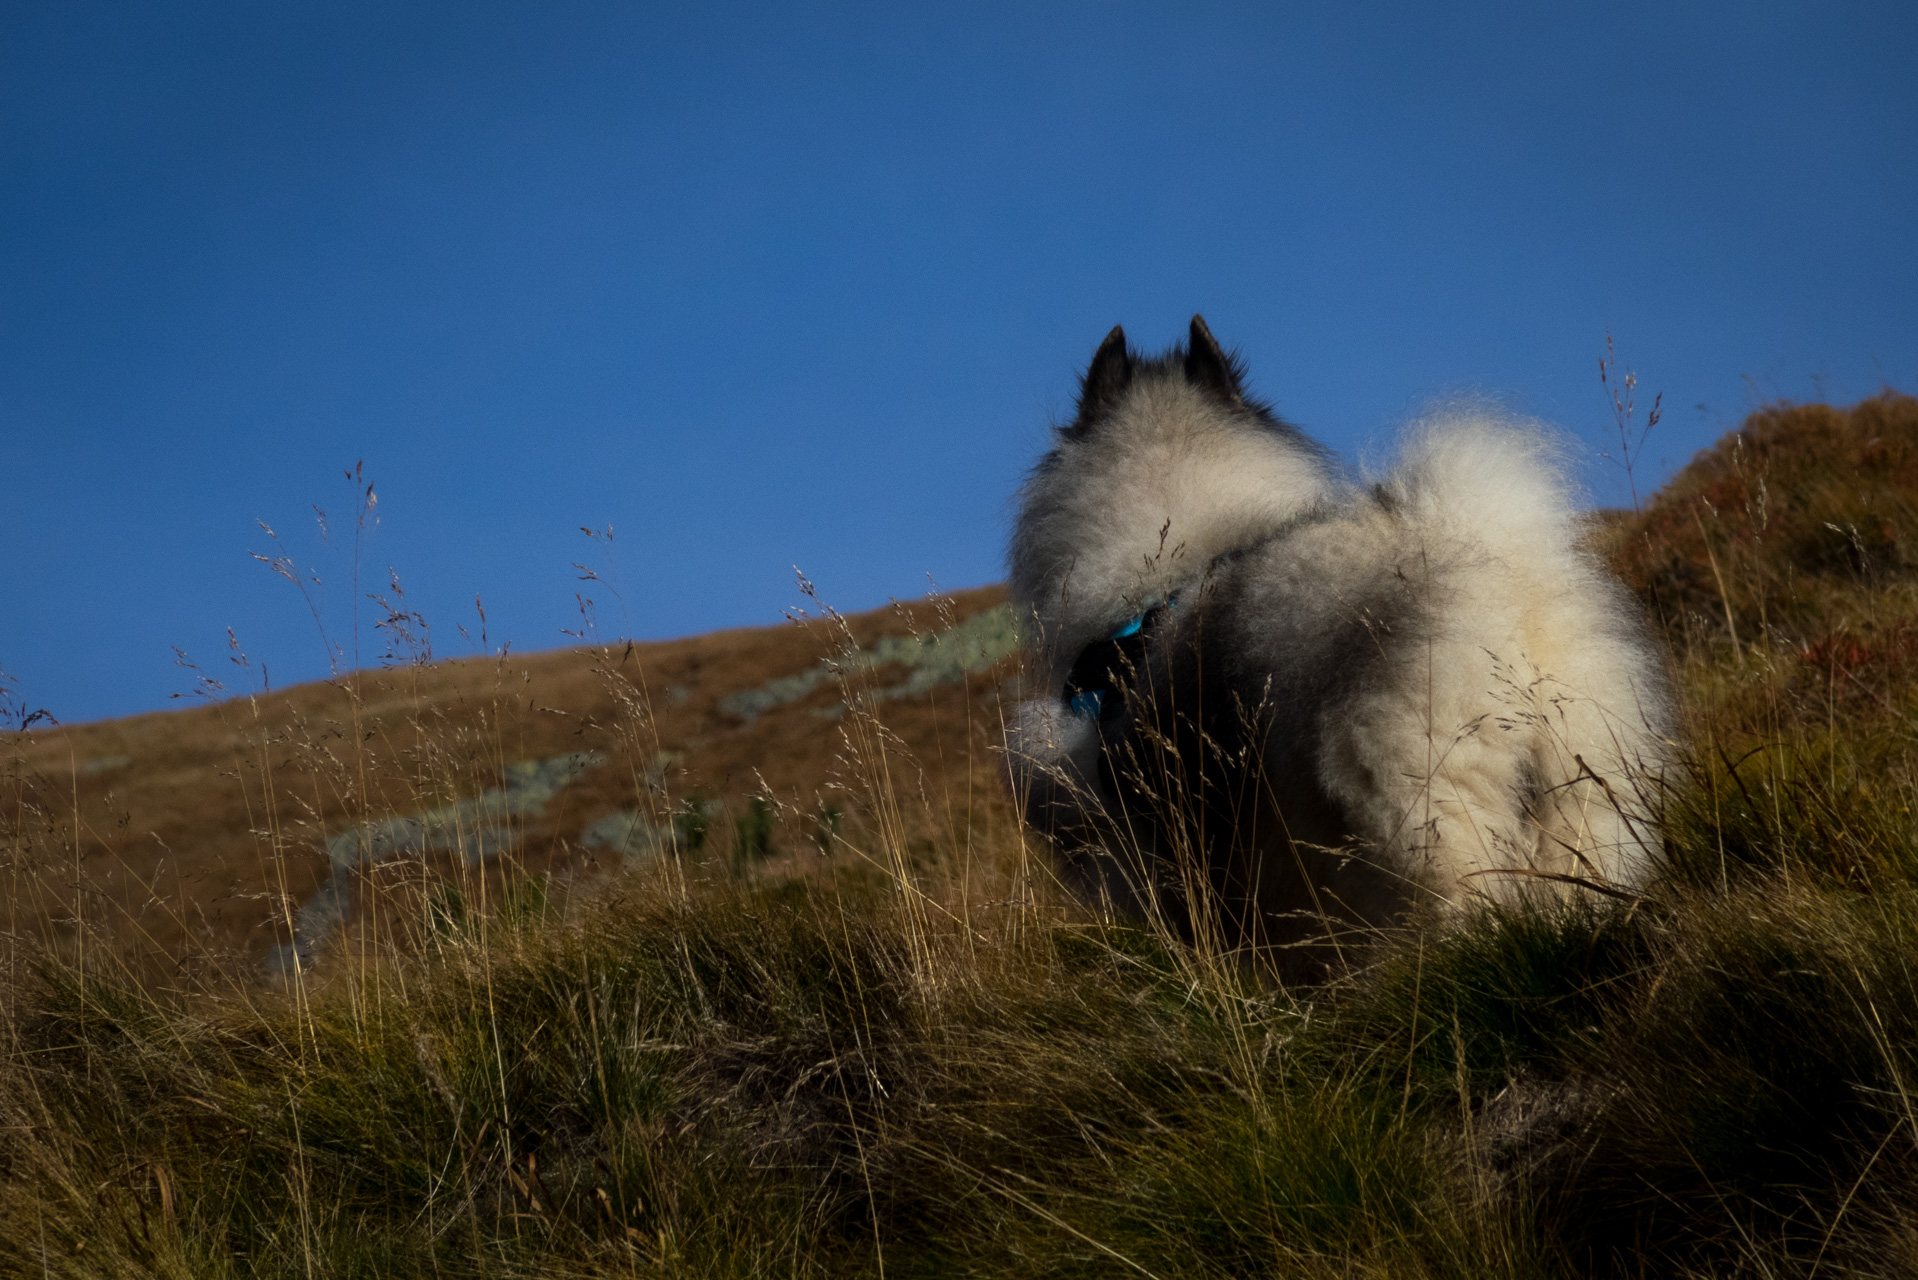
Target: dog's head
x,y
1167,464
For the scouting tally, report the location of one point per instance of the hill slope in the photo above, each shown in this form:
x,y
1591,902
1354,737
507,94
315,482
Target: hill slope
x,y
905,1057
228,828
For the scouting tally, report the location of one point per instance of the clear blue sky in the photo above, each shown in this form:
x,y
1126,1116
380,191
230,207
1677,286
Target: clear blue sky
x,y
759,286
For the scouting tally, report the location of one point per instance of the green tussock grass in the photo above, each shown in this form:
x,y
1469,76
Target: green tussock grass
x,y
920,1059
751,1081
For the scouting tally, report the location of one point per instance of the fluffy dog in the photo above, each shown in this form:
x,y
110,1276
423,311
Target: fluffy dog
x,y
1278,705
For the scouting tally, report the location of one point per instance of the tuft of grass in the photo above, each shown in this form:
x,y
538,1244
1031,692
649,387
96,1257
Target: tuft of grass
x,y
753,831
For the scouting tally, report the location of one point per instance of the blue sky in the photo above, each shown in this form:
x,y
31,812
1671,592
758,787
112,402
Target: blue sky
x,y
758,286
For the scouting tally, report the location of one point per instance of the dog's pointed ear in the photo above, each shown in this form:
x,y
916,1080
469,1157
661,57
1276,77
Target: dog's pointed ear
x,y
1208,366
1105,380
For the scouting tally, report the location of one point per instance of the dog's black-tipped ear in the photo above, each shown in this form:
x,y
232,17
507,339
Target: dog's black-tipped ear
x,y
1105,381
1208,366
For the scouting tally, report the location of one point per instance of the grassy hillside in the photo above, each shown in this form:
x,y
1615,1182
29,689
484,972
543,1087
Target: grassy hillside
x,y
892,1048
201,835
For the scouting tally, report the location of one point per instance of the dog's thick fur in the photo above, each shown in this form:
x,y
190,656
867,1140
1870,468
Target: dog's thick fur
x,y
1342,701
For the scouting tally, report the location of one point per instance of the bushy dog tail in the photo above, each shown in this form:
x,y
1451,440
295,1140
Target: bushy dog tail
x,y
1494,482
1529,631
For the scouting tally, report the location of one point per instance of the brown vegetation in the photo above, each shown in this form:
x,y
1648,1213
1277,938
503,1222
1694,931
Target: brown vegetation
x,y
1757,537
199,832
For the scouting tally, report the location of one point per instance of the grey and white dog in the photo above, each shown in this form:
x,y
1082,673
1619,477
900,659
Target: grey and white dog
x,y
1281,705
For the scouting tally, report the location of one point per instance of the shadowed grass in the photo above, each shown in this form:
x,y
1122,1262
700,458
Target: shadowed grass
x,y
755,1081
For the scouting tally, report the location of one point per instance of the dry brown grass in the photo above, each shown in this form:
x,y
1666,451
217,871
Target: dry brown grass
x,y
187,834
1800,528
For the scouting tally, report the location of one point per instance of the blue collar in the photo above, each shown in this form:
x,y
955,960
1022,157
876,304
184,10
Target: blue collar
x,y
1133,627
